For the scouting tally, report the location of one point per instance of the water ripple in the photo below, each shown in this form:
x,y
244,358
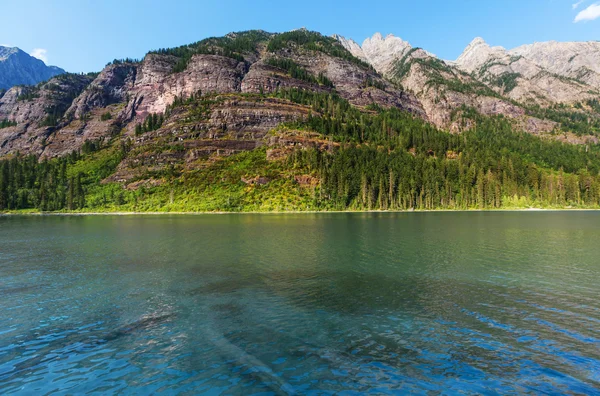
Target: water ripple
x,y
475,303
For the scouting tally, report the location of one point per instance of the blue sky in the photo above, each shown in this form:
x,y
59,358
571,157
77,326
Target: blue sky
x,y
83,35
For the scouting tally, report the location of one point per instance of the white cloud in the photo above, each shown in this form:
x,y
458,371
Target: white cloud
x,y
589,14
41,54
6,45
576,5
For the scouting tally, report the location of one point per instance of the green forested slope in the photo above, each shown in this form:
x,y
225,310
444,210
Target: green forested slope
x,y
377,159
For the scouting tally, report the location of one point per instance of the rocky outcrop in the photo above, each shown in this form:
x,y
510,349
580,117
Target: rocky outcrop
x,y
576,60
439,87
264,78
520,78
232,123
382,52
19,68
93,126
129,92
111,86
37,112
359,85
378,51
156,87
352,46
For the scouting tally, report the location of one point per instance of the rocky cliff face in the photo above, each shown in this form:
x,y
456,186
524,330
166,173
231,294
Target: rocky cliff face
x,y
19,68
576,60
38,111
232,123
156,87
111,86
520,78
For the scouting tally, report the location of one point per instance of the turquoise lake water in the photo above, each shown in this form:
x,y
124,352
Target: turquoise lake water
x,y
393,303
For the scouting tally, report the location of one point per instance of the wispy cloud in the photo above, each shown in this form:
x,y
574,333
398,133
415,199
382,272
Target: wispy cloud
x,y
41,54
589,14
576,5
5,45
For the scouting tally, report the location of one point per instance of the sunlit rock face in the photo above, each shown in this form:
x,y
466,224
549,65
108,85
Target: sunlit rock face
x,y
579,60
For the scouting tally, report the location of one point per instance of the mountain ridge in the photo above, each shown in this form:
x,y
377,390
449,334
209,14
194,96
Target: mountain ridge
x,y
19,68
490,79
487,79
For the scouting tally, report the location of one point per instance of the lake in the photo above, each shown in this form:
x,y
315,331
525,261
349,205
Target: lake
x,y
476,302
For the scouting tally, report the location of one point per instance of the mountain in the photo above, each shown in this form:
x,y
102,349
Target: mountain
x,y
575,60
524,78
443,89
19,68
301,121
490,80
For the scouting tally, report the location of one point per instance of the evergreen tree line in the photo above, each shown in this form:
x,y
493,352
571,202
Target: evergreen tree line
x,y
385,159
58,183
236,45
183,100
123,61
370,82
594,104
26,183
492,138
392,160
231,46
5,123
314,41
296,71
152,122
365,177
53,116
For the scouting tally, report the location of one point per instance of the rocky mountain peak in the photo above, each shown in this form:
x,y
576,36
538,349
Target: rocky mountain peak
x,y
377,36
578,60
477,53
477,41
19,68
351,46
5,52
379,51
534,78
382,52
389,41
488,79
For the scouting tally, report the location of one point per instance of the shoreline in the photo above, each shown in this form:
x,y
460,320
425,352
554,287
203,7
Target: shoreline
x,y
527,210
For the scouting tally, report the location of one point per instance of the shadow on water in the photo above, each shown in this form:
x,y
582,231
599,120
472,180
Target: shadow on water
x,y
87,337
22,289
457,311
143,324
